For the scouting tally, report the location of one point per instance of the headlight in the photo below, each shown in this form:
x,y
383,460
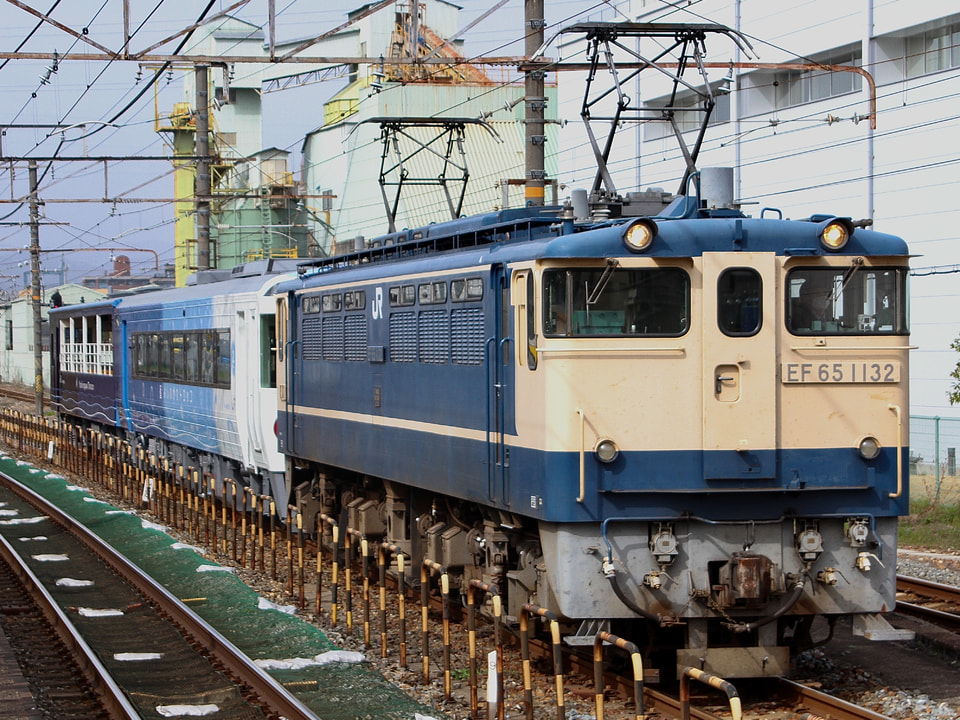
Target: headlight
x,y
868,447
836,233
639,234
606,451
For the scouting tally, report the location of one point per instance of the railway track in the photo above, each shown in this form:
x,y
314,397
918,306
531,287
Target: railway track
x,y
141,649
55,683
932,602
20,394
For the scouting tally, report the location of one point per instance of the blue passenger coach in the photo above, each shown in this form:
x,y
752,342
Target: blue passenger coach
x,y
192,373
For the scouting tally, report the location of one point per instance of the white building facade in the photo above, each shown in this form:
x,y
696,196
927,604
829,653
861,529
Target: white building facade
x,y
16,324
803,140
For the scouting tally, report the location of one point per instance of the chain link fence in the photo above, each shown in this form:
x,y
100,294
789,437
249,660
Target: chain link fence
x,y
933,458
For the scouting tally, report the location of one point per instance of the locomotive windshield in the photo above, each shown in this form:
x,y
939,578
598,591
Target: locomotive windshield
x,y
616,301
848,301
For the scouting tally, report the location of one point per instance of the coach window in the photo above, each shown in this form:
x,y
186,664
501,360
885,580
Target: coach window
x,y
166,360
355,300
223,358
139,355
466,289
153,350
332,303
268,351
191,357
433,293
208,357
177,350
402,295
526,318
615,301
739,305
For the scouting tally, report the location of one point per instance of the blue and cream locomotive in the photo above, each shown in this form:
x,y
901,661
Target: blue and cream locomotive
x,y
689,424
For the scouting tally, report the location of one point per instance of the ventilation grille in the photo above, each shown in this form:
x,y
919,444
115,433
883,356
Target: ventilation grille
x,y
467,330
403,337
435,337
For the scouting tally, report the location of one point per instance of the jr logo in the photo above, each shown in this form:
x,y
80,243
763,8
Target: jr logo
x,y
377,308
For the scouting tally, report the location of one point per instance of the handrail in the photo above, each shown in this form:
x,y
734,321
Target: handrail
x,y
583,491
636,661
714,682
898,413
526,611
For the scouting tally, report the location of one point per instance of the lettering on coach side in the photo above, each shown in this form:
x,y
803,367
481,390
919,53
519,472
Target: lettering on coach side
x,y
840,371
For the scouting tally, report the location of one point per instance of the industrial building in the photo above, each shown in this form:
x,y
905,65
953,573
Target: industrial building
x,y
396,146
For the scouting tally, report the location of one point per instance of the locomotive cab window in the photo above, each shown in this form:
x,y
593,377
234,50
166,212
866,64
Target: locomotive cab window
x,y
739,305
616,301
854,300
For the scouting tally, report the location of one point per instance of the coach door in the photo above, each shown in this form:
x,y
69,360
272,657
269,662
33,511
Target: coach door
x,y
739,366
284,372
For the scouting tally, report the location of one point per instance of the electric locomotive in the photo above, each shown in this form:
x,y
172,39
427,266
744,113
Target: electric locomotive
x,y
686,425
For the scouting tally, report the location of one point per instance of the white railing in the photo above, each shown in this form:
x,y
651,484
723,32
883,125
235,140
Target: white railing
x,y
90,358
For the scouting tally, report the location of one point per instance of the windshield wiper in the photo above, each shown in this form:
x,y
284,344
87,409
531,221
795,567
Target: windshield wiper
x,y
594,297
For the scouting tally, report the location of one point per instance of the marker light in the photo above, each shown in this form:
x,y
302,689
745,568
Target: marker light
x,y
606,451
868,447
835,234
639,234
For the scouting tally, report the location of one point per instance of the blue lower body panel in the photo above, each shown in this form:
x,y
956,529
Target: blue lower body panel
x,y
640,484
92,397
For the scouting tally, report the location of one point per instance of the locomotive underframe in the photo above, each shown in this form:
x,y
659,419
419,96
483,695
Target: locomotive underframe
x,y
734,598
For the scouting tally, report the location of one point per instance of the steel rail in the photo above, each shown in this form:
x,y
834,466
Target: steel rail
x,y
822,704
268,690
98,677
948,620
928,589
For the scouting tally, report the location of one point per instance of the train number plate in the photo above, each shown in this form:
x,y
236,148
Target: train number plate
x,y
847,371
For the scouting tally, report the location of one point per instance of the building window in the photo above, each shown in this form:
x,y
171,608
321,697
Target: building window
x,y
688,113
9,334
796,87
933,51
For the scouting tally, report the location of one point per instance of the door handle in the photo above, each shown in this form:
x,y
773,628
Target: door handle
x,y
720,379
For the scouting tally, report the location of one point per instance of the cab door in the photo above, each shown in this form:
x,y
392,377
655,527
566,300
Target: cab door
x,y
740,419
500,413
